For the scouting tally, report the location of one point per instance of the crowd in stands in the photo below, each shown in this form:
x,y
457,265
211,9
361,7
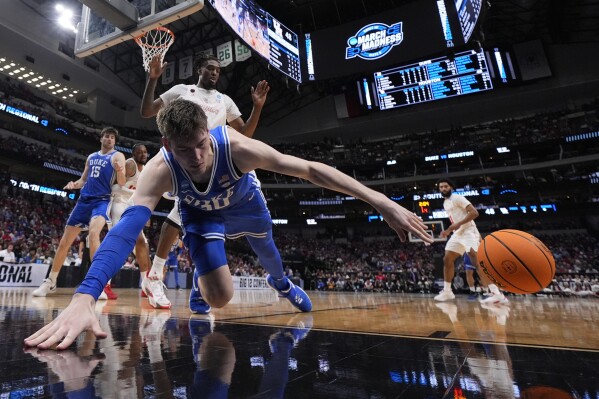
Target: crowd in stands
x,y
367,160
38,153
58,113
32,224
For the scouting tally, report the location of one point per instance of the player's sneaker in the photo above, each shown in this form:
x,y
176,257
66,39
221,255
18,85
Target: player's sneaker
x,y
46,288
197,304
154,290
109,292
445,295
496,298
294,294
472,296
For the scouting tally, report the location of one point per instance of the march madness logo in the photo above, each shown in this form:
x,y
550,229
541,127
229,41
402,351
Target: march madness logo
x,y
374,41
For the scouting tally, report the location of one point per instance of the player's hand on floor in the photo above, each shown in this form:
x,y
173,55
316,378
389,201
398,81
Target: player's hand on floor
x,y
402,220
79,316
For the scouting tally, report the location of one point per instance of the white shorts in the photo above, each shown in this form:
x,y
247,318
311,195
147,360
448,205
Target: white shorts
x,y
116,212
463,242
174,215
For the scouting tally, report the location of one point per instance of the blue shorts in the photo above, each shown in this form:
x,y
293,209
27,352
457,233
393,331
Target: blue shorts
x,y
87,209
248,217
468,263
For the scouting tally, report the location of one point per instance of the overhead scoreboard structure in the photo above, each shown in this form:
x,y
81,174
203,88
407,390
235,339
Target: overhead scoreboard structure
x,y
431,80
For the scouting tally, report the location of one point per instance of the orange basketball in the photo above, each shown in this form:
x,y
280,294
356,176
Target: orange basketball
x,y
516,261
542,392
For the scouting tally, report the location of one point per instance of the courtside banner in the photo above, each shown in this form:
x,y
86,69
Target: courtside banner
x,y
22,275
250,283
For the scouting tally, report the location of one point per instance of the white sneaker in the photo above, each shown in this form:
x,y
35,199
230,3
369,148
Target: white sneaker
x,y
103,296
445,296
48,287
154,289
496,298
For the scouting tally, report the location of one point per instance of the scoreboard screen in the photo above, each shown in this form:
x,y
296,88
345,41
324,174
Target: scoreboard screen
x,y
434,79
408,32
263,33
468,13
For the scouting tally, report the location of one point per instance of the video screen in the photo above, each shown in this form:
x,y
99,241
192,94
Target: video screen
x,y
409,32
263,33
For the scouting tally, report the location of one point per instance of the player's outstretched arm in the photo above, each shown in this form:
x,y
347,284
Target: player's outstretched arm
x,y
149,106
79,316
259,94
251,154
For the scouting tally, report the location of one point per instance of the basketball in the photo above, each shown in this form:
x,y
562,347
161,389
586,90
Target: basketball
x,y
542,392
516,261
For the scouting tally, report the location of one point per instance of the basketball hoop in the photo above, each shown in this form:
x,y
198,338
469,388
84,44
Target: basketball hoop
x,y
155,42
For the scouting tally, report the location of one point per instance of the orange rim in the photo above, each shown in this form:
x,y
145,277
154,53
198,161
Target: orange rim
x,y
162,28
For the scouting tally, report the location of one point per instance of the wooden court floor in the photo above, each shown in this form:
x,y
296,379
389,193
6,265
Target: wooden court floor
x,y
349,346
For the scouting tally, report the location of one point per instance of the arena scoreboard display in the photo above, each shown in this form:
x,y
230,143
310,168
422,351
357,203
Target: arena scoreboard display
x,y
408,32
468,14
434,79
263,33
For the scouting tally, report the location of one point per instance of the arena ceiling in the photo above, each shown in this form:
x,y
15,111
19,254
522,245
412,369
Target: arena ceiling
x,y
506,22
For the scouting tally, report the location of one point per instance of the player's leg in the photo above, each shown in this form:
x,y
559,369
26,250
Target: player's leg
x,y
451,254
471,284
215,282
270,259
169,233
497,296
95,228
48,286
142,254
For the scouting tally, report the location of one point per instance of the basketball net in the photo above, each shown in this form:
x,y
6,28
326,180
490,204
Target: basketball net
x,y
155,42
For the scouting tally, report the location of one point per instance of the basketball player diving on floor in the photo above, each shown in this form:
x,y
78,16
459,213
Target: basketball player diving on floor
x,y
208,172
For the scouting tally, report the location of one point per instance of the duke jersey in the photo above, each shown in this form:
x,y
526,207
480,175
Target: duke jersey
x,y
100,177
231,202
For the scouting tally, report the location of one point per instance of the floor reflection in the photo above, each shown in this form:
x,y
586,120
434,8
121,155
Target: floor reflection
x,y
155,355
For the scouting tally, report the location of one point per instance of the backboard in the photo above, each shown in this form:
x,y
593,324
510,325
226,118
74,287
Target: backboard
x,y
434,230
94,33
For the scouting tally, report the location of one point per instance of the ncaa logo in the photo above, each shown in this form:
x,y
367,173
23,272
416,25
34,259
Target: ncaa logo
x,y
374,41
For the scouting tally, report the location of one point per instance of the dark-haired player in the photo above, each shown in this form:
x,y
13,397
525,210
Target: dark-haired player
x,y
465,239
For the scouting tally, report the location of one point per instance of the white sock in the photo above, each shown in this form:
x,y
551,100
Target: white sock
x,y
446,286
53,276
472,290
493,288
158,266
108,283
